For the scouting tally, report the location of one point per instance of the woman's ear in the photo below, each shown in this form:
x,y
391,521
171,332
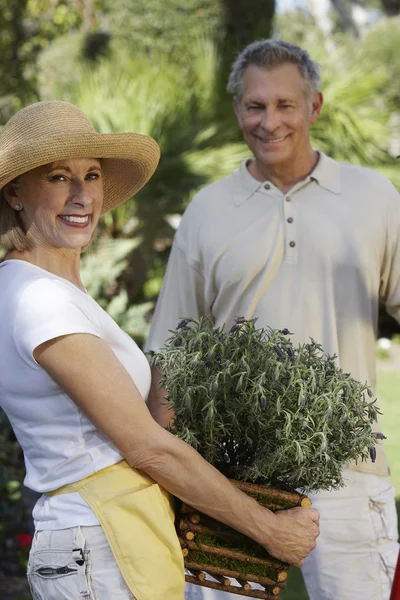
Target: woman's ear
x,y
11,195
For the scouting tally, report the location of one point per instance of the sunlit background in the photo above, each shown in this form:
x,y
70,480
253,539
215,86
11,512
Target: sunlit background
x,y
159,67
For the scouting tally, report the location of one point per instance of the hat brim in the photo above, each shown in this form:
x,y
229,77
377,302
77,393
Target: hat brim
x,y
130,159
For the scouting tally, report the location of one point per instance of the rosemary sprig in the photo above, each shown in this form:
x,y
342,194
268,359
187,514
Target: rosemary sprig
x,y
260,409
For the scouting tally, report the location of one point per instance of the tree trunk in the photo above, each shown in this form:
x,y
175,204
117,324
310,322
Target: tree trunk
x,y
245,21
346,20
391,7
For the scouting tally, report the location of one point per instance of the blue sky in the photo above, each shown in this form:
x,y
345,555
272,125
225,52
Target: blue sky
x,y
283,5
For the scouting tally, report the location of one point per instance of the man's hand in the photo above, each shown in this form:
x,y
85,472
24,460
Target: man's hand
x,y
294,534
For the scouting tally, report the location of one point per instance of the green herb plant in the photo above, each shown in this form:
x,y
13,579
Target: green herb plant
x,y
262,410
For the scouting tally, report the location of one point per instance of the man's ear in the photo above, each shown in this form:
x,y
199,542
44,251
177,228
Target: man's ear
x,y
316,107
237,109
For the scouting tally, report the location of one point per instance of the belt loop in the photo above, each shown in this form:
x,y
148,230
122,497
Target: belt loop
x,y
78,554
34,540
79,538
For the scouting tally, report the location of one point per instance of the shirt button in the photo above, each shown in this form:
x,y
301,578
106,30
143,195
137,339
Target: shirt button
x,y
288,198
267,186
292,244
290,219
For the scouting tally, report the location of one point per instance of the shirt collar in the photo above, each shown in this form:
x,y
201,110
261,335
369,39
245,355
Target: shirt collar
x,y
245,184
326,174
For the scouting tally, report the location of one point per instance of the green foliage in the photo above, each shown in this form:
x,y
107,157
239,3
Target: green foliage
x,y
10,469
351,127
13,513
380,46
260,410
101,268
27,26
102,264
154,25
47,19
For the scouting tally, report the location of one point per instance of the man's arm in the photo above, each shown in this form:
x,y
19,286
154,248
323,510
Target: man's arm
x,y
182,295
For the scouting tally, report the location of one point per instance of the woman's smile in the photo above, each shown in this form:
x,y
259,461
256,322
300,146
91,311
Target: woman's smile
x,y
80,221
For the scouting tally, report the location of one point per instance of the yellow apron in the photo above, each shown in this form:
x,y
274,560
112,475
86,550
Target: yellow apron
x,y
138,521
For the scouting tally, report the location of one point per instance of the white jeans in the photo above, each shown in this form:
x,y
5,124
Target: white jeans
x,y
357,550
74,564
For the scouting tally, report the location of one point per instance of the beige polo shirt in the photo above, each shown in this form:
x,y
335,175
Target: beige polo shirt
x,y
316,260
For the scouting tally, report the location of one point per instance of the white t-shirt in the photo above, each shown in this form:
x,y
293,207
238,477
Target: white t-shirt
x,y
60,444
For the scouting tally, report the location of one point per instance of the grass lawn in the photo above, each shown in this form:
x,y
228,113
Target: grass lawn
x,y
388,394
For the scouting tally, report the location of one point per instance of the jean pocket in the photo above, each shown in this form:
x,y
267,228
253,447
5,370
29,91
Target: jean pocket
x,y
384,515
57,575
384,518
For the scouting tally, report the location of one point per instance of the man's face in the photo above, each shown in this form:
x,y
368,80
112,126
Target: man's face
x,y
275,114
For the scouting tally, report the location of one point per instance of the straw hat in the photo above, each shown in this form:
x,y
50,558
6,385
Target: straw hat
x,y
50,131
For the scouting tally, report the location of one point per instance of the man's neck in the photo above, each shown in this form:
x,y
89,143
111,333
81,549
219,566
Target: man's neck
x,y
284,176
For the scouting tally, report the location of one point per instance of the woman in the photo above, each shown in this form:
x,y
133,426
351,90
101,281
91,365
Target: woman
x,y
72,383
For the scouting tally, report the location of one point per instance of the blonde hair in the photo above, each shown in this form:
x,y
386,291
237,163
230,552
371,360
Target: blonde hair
x,y
12,235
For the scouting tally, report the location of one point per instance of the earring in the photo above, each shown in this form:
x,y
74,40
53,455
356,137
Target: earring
x,y
18,207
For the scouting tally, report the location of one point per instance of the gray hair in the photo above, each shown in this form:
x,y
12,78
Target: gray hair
x,y
273,53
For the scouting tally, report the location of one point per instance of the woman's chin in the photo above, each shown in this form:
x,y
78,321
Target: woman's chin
x,y
77,243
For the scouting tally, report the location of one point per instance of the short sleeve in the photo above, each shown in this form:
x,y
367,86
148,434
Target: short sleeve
x,y
48,309
182,295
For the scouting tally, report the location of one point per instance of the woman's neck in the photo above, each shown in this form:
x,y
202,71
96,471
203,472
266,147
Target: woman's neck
x,y
62,262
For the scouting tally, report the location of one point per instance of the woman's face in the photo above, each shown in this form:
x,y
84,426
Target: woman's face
x,y
61,202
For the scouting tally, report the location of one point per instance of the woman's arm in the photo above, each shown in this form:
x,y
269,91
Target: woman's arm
x,y
156,402
87,369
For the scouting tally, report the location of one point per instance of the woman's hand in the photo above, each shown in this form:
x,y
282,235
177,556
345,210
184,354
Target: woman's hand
x,y
293,535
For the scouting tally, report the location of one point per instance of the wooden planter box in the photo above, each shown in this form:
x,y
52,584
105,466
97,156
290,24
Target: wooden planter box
x,y
212,548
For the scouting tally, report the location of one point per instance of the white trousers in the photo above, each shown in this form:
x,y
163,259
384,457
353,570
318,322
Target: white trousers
x,y
357,550
74,564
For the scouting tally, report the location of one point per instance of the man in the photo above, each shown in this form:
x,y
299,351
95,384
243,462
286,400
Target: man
x,y
298,241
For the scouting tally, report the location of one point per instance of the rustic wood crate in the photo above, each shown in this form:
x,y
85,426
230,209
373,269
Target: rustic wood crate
x,y
212,548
